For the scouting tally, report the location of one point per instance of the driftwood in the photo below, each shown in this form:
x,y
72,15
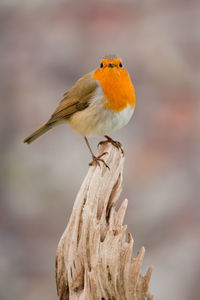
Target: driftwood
x,y
93,259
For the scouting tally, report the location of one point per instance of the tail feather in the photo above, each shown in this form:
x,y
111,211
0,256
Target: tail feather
x,y
36,134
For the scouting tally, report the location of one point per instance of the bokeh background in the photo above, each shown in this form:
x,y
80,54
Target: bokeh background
x,y
45,46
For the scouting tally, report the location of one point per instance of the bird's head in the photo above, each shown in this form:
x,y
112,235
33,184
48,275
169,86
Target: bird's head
x,y
111,61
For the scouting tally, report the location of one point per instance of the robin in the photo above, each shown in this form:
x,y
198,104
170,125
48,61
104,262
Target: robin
x,y
99,103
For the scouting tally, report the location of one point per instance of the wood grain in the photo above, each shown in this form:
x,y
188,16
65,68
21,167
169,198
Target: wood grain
x,y
94,257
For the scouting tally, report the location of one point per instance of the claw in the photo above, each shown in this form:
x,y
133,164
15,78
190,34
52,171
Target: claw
x,y
98,159
116,144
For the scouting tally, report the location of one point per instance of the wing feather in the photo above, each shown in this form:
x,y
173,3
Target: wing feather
x,y
76,99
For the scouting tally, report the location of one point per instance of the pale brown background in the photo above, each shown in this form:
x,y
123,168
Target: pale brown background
x,y
45,46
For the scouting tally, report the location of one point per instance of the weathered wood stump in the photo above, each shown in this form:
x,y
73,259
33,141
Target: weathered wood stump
x,y
93,259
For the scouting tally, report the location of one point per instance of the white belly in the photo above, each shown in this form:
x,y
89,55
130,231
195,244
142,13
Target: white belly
x,y
96,120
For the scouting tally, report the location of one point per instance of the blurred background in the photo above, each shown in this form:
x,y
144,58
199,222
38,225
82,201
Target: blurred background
x,y
45,46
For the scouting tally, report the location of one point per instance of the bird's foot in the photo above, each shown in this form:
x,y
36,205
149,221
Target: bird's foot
x,y
116,144
98,159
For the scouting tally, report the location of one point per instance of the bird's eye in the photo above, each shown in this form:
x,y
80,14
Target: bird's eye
x,y
101,65
120,64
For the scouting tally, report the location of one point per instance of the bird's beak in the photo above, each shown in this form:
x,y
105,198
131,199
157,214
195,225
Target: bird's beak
x,y
111,65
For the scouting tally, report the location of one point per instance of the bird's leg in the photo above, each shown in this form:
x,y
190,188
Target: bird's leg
x,y
116,144
96,159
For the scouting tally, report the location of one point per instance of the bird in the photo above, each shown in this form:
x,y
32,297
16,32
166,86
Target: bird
x,y
98,104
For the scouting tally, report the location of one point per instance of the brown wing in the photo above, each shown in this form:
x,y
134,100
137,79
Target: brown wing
x,y
76,99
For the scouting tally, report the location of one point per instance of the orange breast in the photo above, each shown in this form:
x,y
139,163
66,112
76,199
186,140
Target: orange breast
x,y
117,87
